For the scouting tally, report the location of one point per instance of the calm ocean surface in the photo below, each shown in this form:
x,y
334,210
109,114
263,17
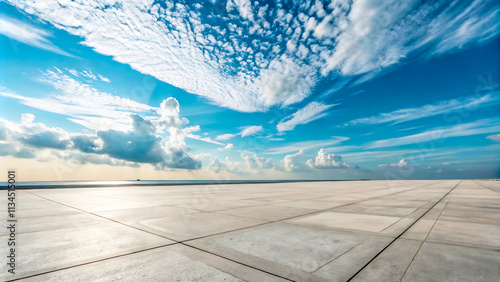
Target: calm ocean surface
x,y
74,184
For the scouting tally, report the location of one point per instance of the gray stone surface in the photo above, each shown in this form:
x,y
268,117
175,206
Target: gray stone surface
x,y
313,231
440,262
364,222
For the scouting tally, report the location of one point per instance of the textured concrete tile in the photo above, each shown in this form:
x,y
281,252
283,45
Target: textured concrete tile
x,y
376,210
268,212
171,263
55,222
391,264
364,222
52,249
419,230
139,214
345,266
189,226
471,216
311,204
398,227
281,248
468,234
94,204
395,203
38,212
439,262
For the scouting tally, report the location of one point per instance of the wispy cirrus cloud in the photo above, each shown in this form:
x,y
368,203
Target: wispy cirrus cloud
x,y
83,103
250,56
399,116
311,112
494,137
312,144
29,35
481,126
245,132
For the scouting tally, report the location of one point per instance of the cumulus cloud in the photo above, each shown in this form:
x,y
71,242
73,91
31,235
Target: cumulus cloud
x,y
169,114
140,144
28,34
328,161
292,162
250,56
402,163
251,164
494,137
229,146
312,111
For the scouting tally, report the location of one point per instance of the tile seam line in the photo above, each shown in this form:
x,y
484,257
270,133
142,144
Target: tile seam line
x,y
427,236
395,239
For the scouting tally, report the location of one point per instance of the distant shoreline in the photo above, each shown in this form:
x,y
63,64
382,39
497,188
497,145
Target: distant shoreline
x,y
91,184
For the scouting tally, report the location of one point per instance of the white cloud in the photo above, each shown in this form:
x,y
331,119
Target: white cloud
x,y
84,104
245,132
328,161
105,79
312,111
138,145
251,164
466,129
268,56
229,146
225,136
402,163
88,74
251,130
292,162
494,137
28,34
312,144
471,103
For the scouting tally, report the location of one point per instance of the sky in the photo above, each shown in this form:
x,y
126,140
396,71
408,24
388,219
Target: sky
x,y
223,90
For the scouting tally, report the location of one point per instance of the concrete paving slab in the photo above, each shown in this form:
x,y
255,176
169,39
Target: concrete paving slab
x,y
268,212
419,230
466,234
288,250
75,232
53,249
140,214
443,262
311,204
346,265
190,226
376,210
55,222
391,264
364,222
171,263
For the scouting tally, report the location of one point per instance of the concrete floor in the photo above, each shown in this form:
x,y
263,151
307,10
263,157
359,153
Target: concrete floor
x,y
446,230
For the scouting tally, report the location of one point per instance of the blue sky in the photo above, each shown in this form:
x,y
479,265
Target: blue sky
x,y
250,90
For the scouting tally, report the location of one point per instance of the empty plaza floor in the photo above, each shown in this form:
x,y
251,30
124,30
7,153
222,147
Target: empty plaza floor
x,y
421,230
